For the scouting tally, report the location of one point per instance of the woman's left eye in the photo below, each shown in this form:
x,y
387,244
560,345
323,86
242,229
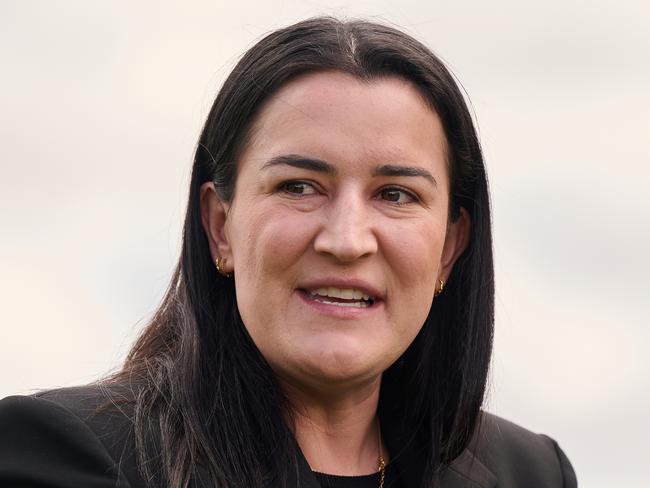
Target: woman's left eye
x,y
397,195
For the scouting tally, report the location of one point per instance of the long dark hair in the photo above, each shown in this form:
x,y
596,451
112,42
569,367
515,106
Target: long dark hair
x,y
205,393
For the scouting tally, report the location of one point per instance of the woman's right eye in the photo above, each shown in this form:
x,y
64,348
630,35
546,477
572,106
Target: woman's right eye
x,y
298,188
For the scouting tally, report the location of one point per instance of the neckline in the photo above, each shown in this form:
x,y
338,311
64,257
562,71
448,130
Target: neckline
x,y
348,477
345,481
326,480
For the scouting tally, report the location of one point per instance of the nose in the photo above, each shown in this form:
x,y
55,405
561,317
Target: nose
x,y
347,233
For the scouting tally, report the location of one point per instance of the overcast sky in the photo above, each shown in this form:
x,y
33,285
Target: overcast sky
x,y
101,104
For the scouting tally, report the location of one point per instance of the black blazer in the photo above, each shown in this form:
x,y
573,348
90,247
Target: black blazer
x,y
82,437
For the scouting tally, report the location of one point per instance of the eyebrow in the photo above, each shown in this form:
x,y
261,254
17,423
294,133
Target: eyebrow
x,y
312,164
298,161
397,170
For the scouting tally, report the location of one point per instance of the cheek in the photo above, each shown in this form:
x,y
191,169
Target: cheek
x,y
270,243
415,253
414,256
268,253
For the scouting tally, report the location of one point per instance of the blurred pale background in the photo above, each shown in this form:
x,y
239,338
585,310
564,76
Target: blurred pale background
x,y
101,104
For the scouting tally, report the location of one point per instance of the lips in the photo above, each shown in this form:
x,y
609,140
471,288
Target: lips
x,y
338,292
344,297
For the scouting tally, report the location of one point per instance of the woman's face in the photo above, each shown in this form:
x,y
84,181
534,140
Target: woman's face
x,y
338,230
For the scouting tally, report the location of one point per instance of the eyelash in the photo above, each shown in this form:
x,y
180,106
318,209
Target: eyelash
x,y
410,194
283,187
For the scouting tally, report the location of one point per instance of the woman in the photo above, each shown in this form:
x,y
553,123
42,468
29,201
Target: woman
x,y
330,320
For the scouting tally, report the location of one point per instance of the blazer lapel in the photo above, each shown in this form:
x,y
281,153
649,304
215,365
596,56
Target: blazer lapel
x,y
467,471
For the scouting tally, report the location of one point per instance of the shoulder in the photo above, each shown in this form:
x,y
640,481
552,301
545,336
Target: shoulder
x,y
79,436
505,454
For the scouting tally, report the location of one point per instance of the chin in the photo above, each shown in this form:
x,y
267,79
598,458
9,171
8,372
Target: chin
x,y
340,364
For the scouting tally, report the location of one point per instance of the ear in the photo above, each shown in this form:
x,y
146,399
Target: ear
x,y
214,214
456,242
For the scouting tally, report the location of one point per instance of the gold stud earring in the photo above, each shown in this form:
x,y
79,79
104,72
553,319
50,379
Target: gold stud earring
x,y
440,287
219,262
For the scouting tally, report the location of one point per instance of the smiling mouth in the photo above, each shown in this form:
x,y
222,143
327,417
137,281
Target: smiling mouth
x,y
340,297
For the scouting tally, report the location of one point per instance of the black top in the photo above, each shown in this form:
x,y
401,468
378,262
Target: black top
x,y
366,481
81,437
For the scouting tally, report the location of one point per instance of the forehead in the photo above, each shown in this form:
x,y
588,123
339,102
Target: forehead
x,y
342,118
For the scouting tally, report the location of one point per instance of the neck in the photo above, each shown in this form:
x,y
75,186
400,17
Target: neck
x,y
339,434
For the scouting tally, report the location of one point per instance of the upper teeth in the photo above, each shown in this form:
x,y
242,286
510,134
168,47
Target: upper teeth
x,y
346,293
